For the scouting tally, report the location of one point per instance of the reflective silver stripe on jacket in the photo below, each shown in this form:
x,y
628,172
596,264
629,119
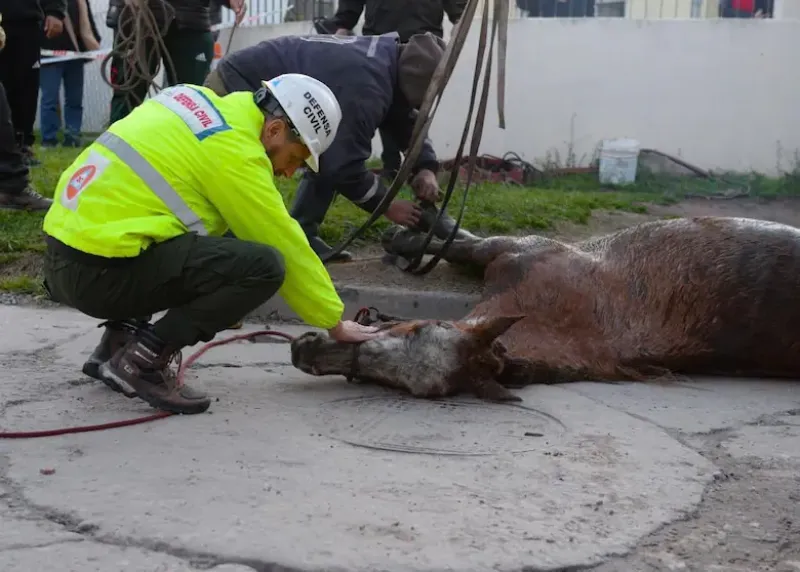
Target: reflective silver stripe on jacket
x,y
153,179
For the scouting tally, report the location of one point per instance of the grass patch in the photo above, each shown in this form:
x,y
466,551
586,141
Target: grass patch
x,y
491,208
22,284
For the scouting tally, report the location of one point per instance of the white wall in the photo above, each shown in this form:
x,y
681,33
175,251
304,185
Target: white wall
x,y
786,9
720,93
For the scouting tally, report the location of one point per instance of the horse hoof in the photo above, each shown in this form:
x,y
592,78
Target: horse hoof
x,y
399,241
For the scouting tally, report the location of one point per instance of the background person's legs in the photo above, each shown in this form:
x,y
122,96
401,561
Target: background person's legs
x,y
73,102
129,90
192,52
49,118
19,73
15,191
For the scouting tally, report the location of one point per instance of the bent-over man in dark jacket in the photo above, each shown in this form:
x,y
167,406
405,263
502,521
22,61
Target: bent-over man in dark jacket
x,y
406,17
379,83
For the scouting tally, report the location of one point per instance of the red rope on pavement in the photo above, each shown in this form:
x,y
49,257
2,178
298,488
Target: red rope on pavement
x,y
147,418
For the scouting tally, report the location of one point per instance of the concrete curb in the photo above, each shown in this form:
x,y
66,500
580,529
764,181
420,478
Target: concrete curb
x,y
392,301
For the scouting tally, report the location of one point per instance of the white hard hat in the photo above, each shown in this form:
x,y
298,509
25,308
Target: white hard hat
x,y
311,107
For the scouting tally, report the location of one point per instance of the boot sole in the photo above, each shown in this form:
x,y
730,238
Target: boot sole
x,y
92,369
109,377
115,382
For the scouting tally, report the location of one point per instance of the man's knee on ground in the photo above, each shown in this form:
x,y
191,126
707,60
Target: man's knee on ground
x,y
262,264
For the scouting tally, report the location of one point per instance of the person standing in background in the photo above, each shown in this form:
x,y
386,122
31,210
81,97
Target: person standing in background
x,y
24,22
215,17
407,18
81,36
746,8
188,41
15,190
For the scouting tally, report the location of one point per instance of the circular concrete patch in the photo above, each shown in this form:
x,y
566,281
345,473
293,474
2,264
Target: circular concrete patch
x,y
446,427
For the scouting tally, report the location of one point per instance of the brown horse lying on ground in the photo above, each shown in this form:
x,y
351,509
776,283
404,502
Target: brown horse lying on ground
x,y
715,296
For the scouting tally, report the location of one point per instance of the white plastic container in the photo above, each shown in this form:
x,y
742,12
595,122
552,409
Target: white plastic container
x,y
619,159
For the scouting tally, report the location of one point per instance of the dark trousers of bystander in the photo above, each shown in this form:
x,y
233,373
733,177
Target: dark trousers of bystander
x,y
14,175
191,53
205,284
19,74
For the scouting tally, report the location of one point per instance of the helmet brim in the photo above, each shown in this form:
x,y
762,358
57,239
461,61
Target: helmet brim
x,y
313,162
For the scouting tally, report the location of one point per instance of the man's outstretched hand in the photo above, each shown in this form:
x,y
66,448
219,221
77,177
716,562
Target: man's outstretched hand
x,y
352,332
403,212
426,186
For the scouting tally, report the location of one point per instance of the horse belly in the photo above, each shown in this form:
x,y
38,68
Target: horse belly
x,y
722,296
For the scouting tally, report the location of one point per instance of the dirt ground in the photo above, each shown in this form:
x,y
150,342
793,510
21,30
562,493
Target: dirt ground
x,y
748,520
369,269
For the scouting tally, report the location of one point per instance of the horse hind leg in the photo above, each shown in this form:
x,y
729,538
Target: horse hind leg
x,y
401,241
471,251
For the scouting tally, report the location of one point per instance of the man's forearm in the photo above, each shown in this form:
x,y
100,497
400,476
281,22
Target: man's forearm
x,y
366,190
427,158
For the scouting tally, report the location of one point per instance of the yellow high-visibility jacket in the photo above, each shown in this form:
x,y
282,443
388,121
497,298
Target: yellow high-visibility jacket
x,y
208,150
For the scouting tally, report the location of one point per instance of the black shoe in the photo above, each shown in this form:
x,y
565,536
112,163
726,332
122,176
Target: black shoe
x,y
322,249
72,142
27,200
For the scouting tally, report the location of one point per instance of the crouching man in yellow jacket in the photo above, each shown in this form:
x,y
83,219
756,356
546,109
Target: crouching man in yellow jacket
x,y
137,222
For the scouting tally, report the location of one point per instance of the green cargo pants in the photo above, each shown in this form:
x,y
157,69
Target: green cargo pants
x,y
205,284
191,51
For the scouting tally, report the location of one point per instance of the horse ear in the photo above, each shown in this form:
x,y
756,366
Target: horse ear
x,y
485,332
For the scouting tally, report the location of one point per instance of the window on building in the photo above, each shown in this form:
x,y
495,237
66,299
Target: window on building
x,y
610,9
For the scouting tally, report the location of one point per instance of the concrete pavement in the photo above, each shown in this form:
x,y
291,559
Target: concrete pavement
x,y
290,472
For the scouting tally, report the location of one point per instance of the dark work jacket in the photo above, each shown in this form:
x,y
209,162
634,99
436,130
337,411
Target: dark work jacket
x,y
63,41
362,73
406,17
31,10
189,14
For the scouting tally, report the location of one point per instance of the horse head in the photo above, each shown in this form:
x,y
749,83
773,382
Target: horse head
x,y
427,358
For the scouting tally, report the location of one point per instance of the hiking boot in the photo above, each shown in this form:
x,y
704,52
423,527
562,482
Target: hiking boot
x,y
115,336
27,200
142,368
321,248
